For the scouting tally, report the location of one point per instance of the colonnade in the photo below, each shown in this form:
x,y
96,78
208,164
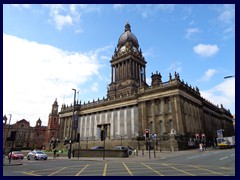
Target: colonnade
x,y
128,69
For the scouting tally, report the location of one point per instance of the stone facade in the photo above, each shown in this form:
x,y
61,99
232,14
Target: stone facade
x,y
171,109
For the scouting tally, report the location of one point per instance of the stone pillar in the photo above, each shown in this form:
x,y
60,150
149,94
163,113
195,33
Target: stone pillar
x,y
142,108
153,116
125,121
108,131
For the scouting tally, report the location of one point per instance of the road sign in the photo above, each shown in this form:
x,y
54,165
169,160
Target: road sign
x,y
220,133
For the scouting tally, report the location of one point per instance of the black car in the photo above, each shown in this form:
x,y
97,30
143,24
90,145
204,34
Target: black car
x,y
97,147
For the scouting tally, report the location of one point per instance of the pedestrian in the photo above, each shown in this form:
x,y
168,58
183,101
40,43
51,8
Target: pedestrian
x,y
204,146
200,147
73,152
54,153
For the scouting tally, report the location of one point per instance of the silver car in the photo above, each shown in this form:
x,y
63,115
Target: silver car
x,y
123,148
37,155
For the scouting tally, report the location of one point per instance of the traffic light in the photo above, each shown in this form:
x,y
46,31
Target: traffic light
x,y
203,136
102,135
147,133
197,136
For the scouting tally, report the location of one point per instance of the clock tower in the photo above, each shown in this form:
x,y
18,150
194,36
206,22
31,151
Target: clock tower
x,y
53,122
128,66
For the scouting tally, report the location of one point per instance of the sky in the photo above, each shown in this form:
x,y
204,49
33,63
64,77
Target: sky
x,y
50,49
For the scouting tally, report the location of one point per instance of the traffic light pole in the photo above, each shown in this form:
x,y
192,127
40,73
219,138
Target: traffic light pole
x,y
104,148
149,148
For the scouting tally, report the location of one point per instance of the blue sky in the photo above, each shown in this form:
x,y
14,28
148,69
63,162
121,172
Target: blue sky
x,y
50,49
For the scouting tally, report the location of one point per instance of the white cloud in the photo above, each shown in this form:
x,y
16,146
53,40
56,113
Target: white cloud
x,y
190,32
69,15
57,17
228,14
206,50
35,74
208,74
223,93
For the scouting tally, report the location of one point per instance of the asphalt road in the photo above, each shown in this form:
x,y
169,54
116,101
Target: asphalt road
x,y
180,163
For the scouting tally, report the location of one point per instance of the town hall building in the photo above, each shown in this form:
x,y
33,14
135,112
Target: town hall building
x,y
172,111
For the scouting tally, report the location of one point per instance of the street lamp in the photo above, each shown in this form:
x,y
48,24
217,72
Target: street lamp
x,y
7,133
121,139
73,125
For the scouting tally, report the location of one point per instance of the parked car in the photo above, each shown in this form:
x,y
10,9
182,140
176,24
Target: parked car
x,y
123,148
15,155
37,155
97,147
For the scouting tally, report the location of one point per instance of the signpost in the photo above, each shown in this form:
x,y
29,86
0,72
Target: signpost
x,y
220,133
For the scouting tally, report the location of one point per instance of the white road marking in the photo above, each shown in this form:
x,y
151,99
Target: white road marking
x,y
223,158
192,157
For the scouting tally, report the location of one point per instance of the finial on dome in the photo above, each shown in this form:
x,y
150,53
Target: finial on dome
x,y
127,27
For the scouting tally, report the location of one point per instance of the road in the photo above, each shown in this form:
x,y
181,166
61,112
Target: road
x,y
180,163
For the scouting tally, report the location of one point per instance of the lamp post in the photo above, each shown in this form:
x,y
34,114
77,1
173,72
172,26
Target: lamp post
x,y
73,125
7,133
121,140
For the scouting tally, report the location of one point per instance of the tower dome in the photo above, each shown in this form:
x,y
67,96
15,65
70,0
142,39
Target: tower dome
x,y
127,36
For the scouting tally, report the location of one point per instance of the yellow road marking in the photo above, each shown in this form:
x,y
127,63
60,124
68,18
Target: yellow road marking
x,y
207,170
128,170
82,170
105,170
30,173
152,169
57,171
179,170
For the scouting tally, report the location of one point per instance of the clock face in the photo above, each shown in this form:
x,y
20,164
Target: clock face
x,y
54,108
122,49
134,49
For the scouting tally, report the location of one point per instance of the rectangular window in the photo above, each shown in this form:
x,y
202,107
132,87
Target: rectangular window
x,y
170,124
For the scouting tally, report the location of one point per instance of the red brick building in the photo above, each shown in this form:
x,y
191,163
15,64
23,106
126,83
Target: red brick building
x,y
26,136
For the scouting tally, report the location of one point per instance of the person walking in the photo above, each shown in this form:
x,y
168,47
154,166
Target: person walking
x,y
200,147
54,153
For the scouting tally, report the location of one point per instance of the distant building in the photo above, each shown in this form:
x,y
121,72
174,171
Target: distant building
x,y
173,109
32,137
